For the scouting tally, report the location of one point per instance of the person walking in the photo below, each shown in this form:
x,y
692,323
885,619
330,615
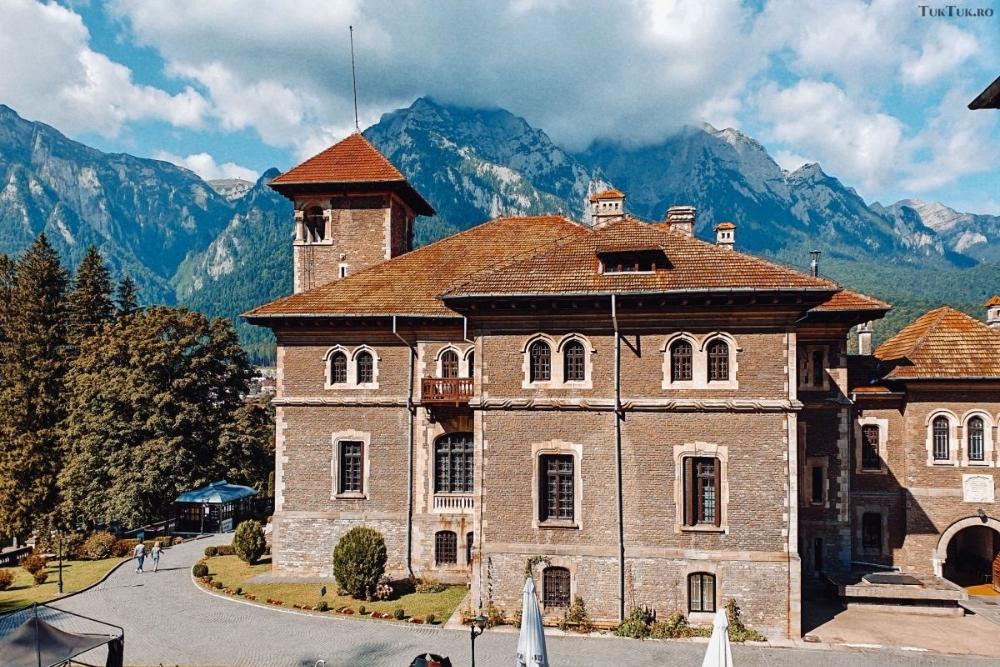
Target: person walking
x,y
140,556
154,553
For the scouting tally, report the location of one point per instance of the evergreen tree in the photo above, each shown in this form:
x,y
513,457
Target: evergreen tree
x,y
32,366
90,303
127,299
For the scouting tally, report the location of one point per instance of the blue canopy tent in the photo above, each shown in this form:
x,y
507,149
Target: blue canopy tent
x,y
215,508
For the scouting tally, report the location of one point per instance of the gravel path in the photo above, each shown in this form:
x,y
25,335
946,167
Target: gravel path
x,y
168,620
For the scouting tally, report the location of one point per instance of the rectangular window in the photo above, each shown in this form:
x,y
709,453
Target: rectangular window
x,y
557,488
701,491
701,592
818,367
870,459
350,467
555,587
818,486
445,548
871,532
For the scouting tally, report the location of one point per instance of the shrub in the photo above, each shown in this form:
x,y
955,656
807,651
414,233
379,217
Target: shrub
x,y
429,585
211,552
430,619
33,563
224,550
200,570
495,616
362,610
359,561
384,589
122,548
399,614
71,544
737,631
675,627
6,579
576,617
239,590
635,626
40,577
248,542
99,546
218,585
322,606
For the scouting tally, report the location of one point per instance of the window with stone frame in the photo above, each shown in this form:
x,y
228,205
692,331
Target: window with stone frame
x,y
471,360
818,486
556,493
870,458
701,592
454,467
366,368
350,468
818,368
681,361
574,362
871,532
555,587
540,361
338,368
445,548
976,435
941,432
702,478
469,544
315,225
718,361
449,364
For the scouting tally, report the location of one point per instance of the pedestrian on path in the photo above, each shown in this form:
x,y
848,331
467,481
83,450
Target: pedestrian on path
x,y
140,555
154,553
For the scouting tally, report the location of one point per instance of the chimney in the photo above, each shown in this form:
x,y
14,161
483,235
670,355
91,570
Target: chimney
x,y
606,207
865,339
993,312
681,219
725,235
814,262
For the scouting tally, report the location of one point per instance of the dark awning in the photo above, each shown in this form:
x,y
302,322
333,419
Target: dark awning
x,y
37,642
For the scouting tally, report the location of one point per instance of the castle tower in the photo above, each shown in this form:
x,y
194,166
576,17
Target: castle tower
x,y
606,206
353,209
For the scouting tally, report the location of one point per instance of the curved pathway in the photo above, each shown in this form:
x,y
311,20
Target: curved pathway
x,y
169,620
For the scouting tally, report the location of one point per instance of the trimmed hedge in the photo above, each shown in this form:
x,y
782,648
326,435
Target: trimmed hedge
x,y
248,542
199,570
359,561
99,546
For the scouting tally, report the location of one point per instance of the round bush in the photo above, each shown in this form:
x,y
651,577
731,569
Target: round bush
x,y
211,551
33,563
322,606
99,546
6,579
399,614
248,541
359,561
430,619
40,577
199,570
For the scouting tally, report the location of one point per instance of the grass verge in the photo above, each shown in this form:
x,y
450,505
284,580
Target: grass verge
x,y
77,574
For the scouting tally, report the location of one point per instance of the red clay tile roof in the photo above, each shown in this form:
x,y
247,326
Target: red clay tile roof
x,y
943,343
570,267
725,225
993,301
849,300
607,194
352,160
410,284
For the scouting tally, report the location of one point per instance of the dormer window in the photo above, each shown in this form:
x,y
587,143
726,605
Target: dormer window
x,y
636,261
315,225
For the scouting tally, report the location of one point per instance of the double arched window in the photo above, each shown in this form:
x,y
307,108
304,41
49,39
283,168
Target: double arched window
x,y
347,369
559,363
705,363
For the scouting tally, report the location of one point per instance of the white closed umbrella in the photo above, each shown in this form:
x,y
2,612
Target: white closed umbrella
x,y
719,653
531,643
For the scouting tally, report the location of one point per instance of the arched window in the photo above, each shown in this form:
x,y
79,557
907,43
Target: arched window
x,y
445,548
454,467
449,364
977,445
942,439
315,225
366,368
681,355
701,592
718,361
555,587
540,357
574,362
869,447
338,368
471,359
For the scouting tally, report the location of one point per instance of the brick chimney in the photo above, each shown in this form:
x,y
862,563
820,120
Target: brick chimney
x,y
606,207
725,235
865,338
993,312
681,219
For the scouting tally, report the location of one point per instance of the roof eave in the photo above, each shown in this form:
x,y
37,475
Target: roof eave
x,y
592,293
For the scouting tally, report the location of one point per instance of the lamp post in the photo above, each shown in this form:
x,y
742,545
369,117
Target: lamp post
x,y
478,624
59,554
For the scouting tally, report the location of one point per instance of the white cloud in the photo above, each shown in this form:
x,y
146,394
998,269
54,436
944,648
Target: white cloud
x,y
944,50
858,145
205,166
790,161
53,75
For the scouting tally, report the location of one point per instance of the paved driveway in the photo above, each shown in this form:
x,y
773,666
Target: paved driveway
x,y
169,621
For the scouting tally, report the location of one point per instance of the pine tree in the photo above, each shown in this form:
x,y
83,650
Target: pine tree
x,y
32,365
90,303
127,299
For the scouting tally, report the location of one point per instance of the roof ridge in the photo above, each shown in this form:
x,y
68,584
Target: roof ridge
x,y
942,311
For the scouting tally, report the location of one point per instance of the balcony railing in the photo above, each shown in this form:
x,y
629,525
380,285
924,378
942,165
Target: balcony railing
x,y
453,503
446,390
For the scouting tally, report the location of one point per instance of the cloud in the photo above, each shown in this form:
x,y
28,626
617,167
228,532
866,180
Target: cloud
x,y
856,144
942,53
205,166
53,75
790,161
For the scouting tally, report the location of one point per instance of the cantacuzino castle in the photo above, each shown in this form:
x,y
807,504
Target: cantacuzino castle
x,y
648,418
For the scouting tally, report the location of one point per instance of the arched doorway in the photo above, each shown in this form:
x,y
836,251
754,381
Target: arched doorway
x,y
968,553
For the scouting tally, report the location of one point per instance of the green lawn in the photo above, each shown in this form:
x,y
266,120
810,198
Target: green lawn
x,y
77,574
233,573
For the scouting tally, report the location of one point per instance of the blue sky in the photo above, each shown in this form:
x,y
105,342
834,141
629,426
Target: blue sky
x,y
873,91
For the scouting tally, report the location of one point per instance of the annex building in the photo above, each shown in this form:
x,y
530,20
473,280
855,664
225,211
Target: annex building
x,y
638,416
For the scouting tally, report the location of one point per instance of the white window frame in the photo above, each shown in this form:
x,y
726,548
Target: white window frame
x,y
352,368
701,450
557,448
557,361
988,446
953,441
350,436
699,362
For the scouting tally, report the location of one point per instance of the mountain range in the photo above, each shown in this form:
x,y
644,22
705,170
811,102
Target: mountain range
x,y
224,246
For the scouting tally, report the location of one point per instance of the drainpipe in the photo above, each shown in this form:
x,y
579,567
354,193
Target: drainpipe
x,y
618,461
409,452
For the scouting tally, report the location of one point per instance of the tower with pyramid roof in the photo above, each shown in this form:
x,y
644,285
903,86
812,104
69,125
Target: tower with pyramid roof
x,y
353,209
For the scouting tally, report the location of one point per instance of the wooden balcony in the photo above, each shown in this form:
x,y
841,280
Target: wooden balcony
x,y
445,391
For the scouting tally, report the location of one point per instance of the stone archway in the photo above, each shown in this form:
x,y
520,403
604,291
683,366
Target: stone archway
x,y
940,557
